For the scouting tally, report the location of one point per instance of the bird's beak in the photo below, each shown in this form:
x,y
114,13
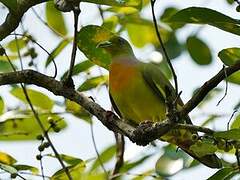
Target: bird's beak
x,y
104,44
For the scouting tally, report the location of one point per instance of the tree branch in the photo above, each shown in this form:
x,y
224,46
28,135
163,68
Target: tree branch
x,y
13,18
207,87
144,133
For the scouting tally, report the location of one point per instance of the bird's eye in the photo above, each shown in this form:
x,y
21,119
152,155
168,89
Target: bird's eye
x,y
121,42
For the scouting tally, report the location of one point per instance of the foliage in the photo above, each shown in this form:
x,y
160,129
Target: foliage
x,y
125,18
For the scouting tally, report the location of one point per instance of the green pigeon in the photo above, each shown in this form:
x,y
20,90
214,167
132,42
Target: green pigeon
x,y
137,92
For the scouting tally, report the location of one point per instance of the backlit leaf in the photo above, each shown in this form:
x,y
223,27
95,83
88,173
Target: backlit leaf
x,y
221,174
122,3
236,123
57,51
105,156
80,67
202,148
78,111
37,98
75,171
22,167
7,159
2,106
26,128
55,19
92,83
230,56
20,43
233,134
88,38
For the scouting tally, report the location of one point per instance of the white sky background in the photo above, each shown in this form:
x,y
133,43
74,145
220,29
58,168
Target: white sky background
x,y
76,139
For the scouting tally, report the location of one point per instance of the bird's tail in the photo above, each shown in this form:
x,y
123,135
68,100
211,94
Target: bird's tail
x,y
183,139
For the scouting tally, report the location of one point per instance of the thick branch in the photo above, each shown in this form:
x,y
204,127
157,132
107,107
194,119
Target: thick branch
x,y
144,133
32,77
13,18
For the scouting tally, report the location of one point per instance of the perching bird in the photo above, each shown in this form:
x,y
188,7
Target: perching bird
x,y
137,92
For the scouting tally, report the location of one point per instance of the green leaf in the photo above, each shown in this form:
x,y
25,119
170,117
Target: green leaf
x,y
110,23
37,98
78,111
22,167
234,78
199,15
105,156
230,1
122,10
221,174
2,106
26,127
233,134
171,161
11,57
55,19
88,38
57,51
210,119
68,159
93,83
5,67
19,44
167,14
7,159
78,68
167,166
122,3
11,4
230,56
173,47
7,168
131,165
202,148
136,26
209,96
236,123
75,171
199,51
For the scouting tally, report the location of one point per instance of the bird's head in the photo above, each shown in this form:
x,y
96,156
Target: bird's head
x,y
116,46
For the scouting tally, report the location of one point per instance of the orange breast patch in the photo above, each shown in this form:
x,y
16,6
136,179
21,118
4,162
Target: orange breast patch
x,y
121,75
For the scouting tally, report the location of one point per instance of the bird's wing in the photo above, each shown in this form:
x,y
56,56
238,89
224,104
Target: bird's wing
x,y
115,106
159,83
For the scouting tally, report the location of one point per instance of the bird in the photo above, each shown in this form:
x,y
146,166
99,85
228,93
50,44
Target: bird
x,y
138,93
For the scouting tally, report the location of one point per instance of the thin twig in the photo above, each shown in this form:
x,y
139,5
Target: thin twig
x,y
18,50
34,41
228,124
95,148
45,23
76,12
120,144
207,87
40,124
41,163
163,47
109,119
226,87
237,157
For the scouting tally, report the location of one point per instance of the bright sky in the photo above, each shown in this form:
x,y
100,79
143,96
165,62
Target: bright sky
x,y
76,139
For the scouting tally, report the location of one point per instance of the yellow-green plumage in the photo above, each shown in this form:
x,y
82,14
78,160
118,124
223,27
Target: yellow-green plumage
x,y
137,91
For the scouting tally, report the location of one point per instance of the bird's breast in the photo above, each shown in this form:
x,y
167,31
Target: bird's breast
x,y
121,76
